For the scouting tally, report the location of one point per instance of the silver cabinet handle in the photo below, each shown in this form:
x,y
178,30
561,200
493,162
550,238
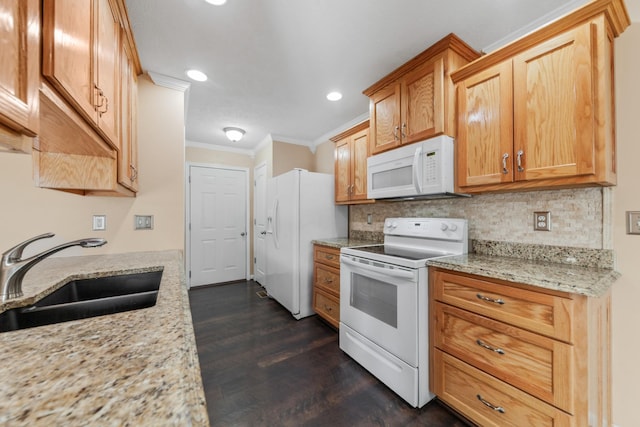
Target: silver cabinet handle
x,y
493,300
395,132
485,403
505,156
404,127
488,347
134,173
519,160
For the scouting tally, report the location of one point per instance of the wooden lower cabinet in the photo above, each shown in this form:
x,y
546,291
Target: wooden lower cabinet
x,y
326,283
509,354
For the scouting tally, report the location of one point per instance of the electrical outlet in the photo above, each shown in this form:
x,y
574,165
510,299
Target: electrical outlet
x,y
99,222
542,221
143,222
633,222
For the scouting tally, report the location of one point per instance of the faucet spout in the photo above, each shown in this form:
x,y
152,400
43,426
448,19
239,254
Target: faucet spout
x,y
13,267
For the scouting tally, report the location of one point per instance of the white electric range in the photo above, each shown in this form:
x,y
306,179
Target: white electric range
x,y
384,321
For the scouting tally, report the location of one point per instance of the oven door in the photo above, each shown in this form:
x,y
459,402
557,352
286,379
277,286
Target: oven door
x,y
380,302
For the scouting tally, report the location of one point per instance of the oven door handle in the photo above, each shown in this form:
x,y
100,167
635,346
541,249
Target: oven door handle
x,y
392,272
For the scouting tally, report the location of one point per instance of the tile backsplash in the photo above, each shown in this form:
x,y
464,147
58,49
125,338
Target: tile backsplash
x,y
579,217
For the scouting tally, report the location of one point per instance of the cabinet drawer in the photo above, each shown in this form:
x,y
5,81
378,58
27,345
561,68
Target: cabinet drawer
x,y
488,401
327,255
539,312
327,306
536,364
327,278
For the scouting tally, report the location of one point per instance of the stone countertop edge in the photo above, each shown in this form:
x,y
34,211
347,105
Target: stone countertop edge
x,y
342,242
591,282
138,367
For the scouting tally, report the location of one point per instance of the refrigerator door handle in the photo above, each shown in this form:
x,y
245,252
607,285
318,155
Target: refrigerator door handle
x,y
274,224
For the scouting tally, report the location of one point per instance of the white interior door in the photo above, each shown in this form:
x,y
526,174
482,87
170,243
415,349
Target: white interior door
x,y
218,221
260,222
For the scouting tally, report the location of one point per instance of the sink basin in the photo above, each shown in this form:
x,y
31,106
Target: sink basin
x,y
84,298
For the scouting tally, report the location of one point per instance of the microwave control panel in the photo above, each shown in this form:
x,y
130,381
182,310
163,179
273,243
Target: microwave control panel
x,y
431,172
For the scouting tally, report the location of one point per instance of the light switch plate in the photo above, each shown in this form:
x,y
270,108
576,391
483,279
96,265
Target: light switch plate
x,y
633,222
99,222
143,222
542,221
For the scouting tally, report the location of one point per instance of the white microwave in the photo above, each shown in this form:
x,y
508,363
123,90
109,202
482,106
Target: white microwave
x,y
419,170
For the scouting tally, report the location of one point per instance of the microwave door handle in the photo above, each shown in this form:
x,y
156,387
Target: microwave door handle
x,y
417,170
403,274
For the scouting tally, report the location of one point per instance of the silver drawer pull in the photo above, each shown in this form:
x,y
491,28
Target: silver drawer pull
x,y
488,347
328,256
326,307
485,403
483,298
328,280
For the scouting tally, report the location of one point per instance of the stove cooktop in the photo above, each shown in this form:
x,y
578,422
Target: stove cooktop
x,y
399,252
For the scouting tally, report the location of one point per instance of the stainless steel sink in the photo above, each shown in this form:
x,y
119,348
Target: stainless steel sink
x,y
84,298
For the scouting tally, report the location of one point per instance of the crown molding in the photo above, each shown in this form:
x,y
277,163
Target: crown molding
x,y
214,147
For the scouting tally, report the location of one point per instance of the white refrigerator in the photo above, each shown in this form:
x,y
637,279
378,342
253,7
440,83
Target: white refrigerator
x,y
300,208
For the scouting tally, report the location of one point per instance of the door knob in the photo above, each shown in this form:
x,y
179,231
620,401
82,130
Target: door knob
x,y
243,234
263,232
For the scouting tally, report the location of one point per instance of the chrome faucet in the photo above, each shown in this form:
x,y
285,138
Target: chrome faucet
x,y
14,268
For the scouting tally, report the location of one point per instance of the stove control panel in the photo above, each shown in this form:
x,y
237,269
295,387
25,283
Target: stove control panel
x,y
434,228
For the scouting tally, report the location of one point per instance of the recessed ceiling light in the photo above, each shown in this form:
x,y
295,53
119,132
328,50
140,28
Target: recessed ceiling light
x,y
196,75
334,96
216,2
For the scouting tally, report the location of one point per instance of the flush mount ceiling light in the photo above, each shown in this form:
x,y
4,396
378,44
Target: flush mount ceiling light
x,y
216,2
197,75
334,96
234,134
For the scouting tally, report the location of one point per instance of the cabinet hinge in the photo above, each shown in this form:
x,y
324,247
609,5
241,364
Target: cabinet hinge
x,y
254,260
189,274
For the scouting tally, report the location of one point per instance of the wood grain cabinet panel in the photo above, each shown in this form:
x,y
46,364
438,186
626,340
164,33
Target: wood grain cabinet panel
x,y
326,283
505,353
351,153
19,72
539,112
415,101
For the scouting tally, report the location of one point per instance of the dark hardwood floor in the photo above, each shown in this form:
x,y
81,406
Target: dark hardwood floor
x,y
261,367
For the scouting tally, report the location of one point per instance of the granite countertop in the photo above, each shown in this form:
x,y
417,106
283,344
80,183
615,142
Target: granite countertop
x,y
343,242
133,368
589,281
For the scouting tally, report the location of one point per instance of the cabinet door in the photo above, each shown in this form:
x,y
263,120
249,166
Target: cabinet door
x,y
67,51
107,70
554,107
485,127
127,160
19,64
343,170
359,154
385,119
422,112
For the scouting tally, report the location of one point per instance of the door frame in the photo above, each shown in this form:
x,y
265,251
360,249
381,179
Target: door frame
x,y
255,206
187,216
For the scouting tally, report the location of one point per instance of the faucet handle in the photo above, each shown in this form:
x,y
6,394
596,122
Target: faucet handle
x,y
15,253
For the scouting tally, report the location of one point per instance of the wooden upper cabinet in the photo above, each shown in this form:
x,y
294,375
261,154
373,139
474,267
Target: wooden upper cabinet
x,y
422,106
539,113
484,147
80,59
107,70
385,119
19,71
415,101
351,153
554,104
128,149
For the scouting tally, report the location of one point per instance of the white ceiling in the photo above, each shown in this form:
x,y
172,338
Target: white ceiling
x,y
271,62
